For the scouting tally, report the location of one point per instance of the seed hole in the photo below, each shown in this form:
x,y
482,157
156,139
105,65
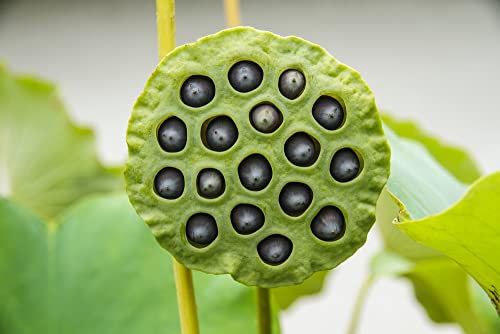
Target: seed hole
x,y
329,224
201,230
266,118
345,165
255,172
172,135
169,183
197,91
219,133
301,149
210,183
275,249
247,218
245,76
295,198
328,112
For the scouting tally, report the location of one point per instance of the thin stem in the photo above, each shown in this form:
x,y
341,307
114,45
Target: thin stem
x,y
165,25
263,311
186,302
232,10
358,306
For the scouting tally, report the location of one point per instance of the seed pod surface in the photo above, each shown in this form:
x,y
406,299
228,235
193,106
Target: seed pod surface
x,y
289,236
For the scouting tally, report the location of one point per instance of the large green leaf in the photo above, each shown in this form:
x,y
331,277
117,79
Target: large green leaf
x,y
99,270
420,186
469,233
49,163
454,159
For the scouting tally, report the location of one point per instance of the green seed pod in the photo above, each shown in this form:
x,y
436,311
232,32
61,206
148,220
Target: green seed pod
x,y
290,235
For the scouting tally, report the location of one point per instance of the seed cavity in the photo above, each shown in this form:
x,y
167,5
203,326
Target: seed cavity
x,y
220,133
275,249
295,198
328,112
255,172
266,118
345,165
247,218
245,76
329,224
210,183
172,135
292,84
301,149
201,230
197,91
169,183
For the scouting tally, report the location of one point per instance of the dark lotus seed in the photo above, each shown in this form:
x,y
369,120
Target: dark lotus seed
x,y
169,183
246,218
197,91
328,112
255,172
292,83
245,76
210,183
275,249
172,135
345,165
221,133
201,230
301,150
295,198
329,224
266,118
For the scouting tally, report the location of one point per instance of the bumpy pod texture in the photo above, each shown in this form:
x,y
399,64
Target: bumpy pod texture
x,y
233,252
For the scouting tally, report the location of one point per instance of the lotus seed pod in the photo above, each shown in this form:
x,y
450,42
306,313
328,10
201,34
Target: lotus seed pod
x,y
328,112
301,150
255,172
247,218
329,224
201,230
345,165
221,134
295,198
169,183
245,76
272,225
266,118
210,183
275,249
292,83
197,91
172,135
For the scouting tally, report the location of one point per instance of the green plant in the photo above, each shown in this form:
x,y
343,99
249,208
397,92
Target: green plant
x,y
74,256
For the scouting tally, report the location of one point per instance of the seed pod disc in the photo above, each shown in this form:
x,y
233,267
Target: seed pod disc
x,y
230,251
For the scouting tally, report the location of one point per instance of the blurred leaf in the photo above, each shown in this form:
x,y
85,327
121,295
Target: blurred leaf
x,y
49,162
469,233
101,271
440,285
454,159
286,296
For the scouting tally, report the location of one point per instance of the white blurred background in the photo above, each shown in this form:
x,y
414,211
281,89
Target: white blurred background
x,y
435,61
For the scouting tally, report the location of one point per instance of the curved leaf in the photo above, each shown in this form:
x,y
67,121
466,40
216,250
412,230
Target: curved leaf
x,y
419,186
101,271
49,162
469,233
